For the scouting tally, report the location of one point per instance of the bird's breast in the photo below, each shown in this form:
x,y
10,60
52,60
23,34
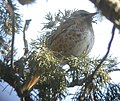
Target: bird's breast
x,y
73,41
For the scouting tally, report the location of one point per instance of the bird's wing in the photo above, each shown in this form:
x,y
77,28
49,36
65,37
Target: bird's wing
x,y
63,27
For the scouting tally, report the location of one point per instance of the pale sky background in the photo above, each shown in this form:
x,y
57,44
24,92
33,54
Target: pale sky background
x,y
37,12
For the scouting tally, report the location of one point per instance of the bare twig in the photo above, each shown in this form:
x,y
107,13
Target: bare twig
x,y
108,50
12,45
10,8
11,91
24,37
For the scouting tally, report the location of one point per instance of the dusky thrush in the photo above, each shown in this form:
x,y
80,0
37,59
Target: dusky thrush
x,y
74,36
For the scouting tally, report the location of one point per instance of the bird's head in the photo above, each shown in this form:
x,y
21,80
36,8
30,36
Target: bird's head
x,y
82,14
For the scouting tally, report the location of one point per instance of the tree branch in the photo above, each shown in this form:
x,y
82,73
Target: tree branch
x,y
108,50
27,22
10,77
11,8
110,9
13,80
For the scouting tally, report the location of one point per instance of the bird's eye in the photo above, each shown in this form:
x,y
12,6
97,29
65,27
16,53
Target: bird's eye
x,y
84,14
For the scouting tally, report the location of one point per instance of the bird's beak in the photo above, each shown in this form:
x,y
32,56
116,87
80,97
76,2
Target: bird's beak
x,y
92,14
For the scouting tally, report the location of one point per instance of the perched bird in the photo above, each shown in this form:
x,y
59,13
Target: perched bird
x,y
74,36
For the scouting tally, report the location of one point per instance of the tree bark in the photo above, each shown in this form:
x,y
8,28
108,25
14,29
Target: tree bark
x,y
110,9
9,75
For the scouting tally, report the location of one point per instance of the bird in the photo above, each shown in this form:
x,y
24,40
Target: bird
x,y
74,36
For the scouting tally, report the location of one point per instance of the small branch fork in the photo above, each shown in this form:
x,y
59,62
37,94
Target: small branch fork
x,y
11,9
